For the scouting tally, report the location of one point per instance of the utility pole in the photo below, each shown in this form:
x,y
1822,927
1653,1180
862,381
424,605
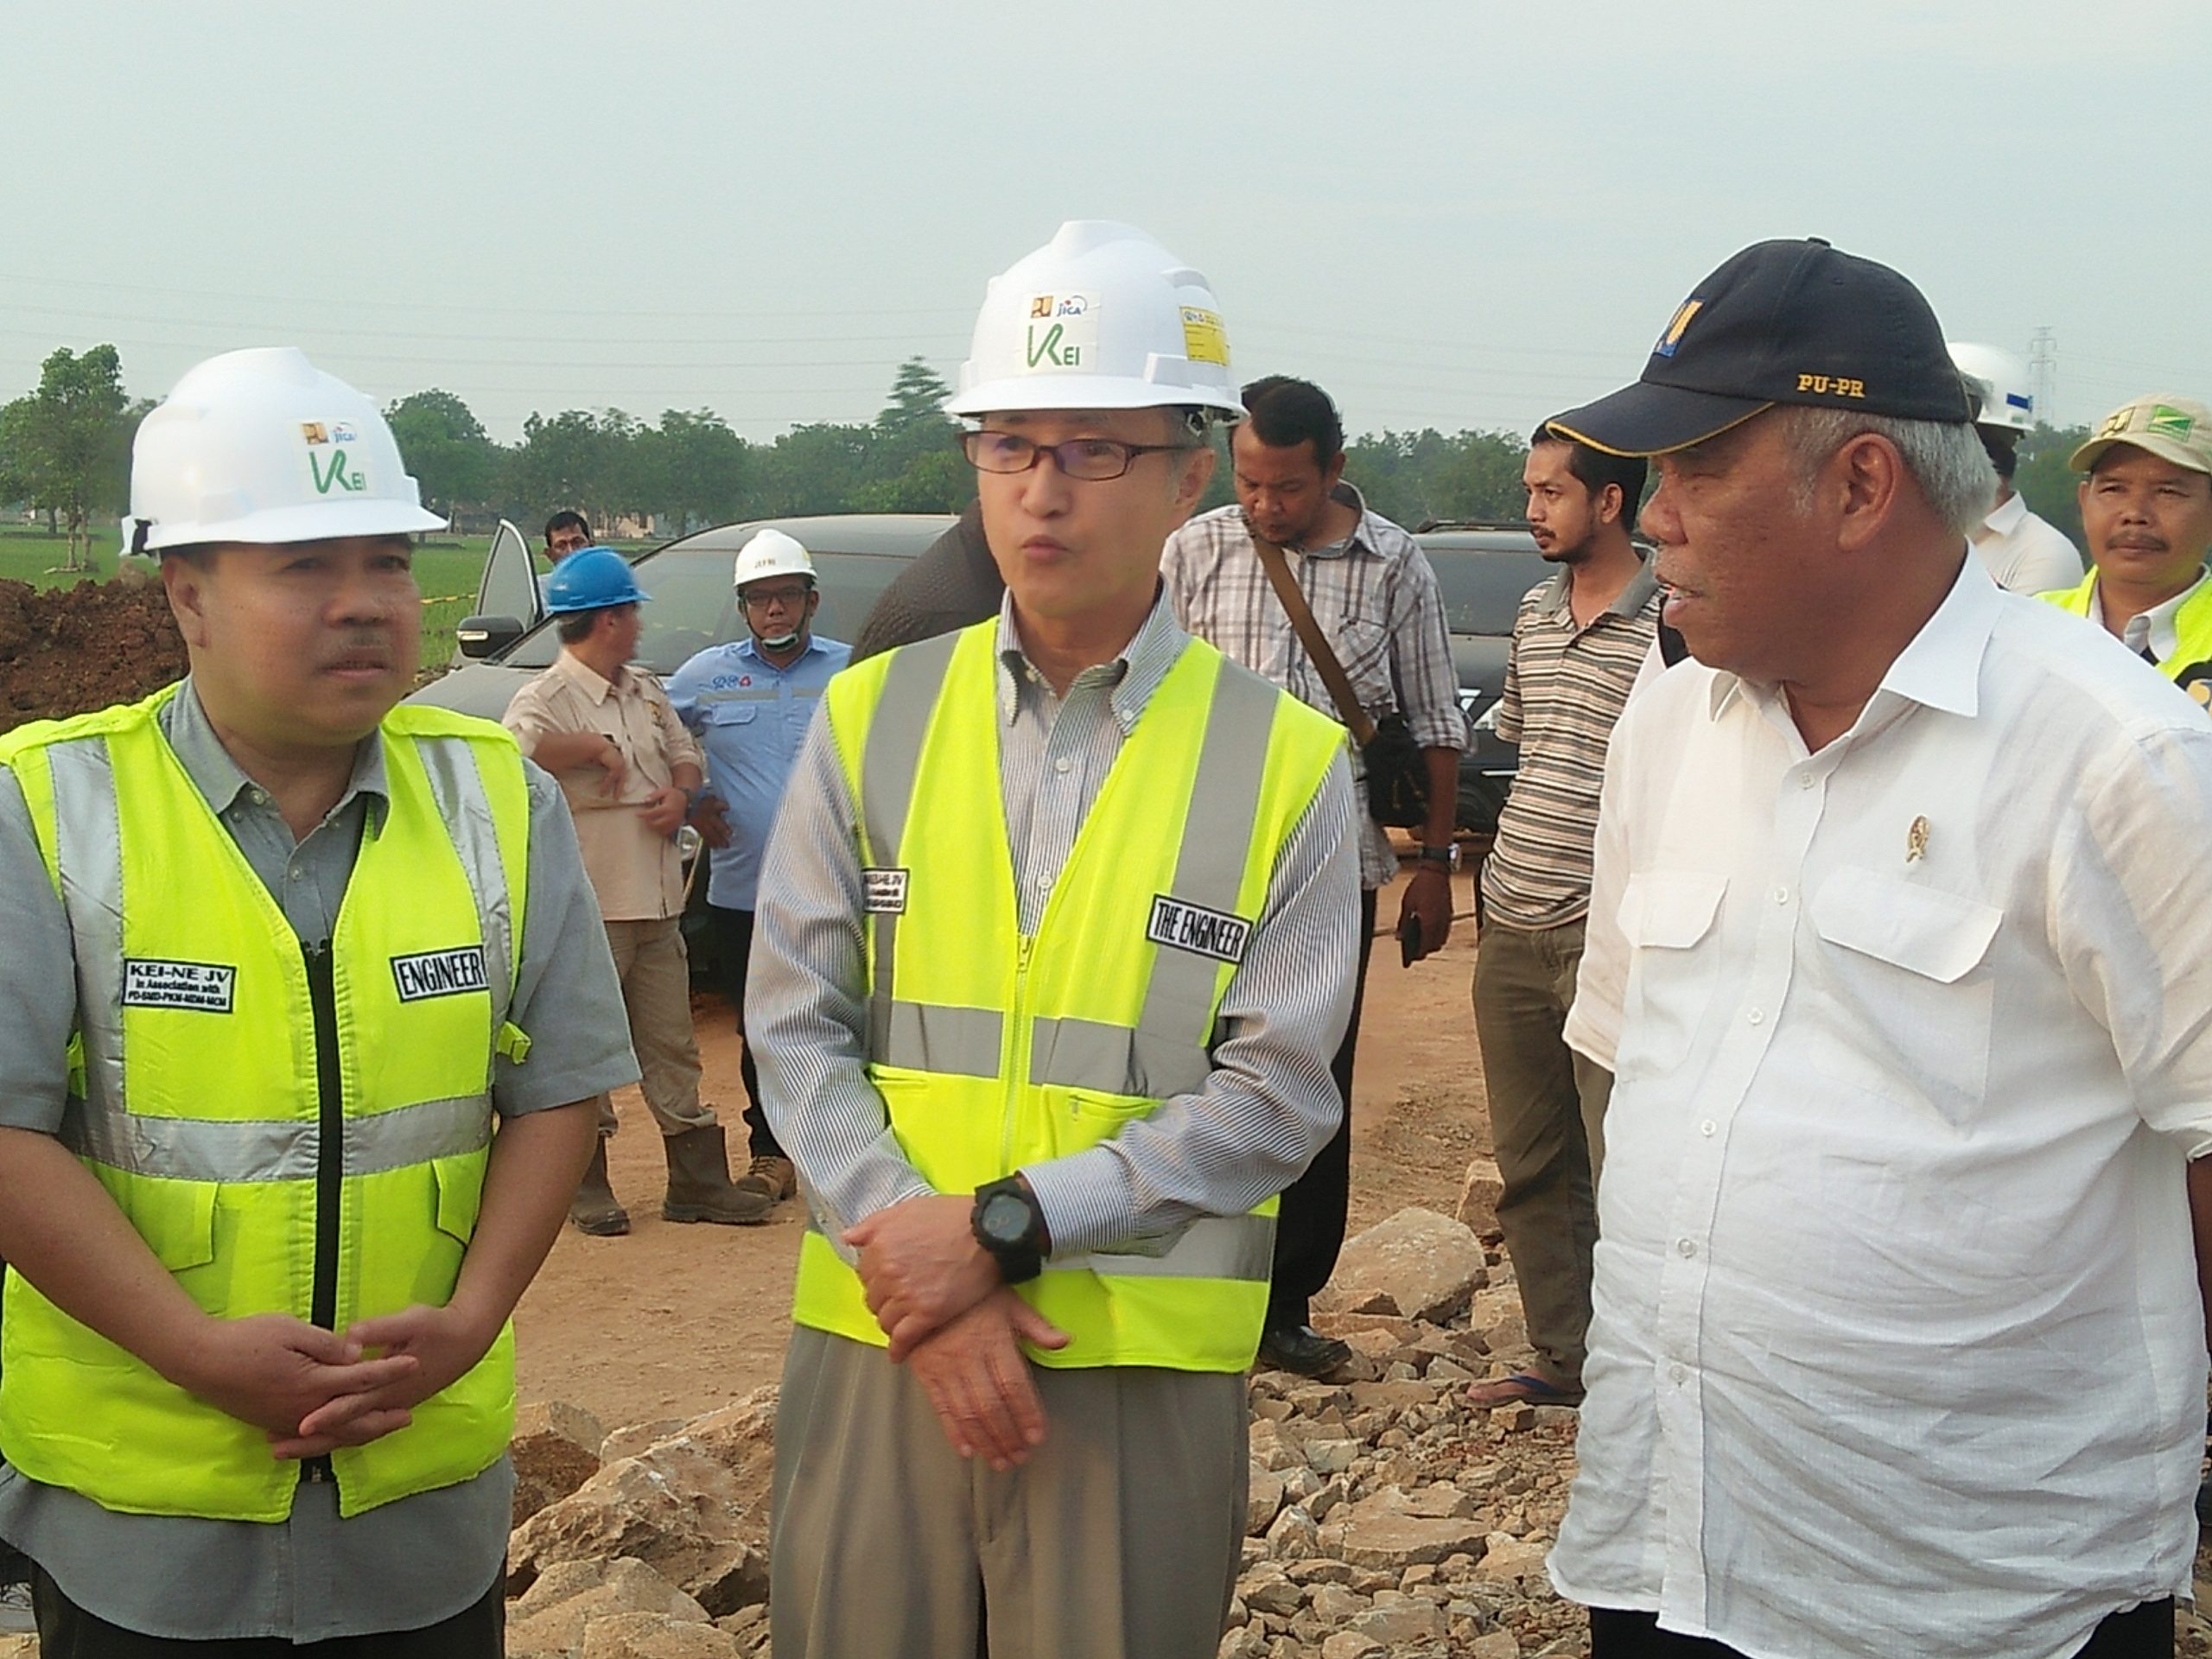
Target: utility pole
x,y
2043,369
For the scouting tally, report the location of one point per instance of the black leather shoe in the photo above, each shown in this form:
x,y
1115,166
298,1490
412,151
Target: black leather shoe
x,y
1301,1348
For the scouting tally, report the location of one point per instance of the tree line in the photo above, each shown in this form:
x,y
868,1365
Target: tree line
x,y
65,451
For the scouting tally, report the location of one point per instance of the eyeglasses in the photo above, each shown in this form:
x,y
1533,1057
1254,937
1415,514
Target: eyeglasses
x,y
755,598
1093,460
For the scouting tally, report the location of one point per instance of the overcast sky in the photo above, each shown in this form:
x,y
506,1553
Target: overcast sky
x,y
1451,214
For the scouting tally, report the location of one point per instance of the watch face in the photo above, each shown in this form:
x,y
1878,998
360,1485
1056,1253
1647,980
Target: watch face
x,y
1005,1218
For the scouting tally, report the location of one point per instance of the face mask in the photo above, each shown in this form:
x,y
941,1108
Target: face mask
x,y
781,642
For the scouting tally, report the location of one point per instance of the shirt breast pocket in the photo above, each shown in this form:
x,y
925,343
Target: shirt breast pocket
x,y
1363,645
731,714
1910,994
1667,916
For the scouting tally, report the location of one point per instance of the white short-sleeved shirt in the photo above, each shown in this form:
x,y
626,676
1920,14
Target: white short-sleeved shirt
x,y
2025,554
1897,1346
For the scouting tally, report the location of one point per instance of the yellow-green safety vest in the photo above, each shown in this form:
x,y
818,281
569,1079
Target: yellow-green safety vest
x,y
288,1135
993,1049
2189,667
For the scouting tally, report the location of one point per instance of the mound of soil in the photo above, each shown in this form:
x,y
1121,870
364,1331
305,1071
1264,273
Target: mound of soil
x,y
66,650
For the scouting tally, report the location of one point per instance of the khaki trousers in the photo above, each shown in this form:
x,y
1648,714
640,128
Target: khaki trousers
x,y
1117,1540
1547,1114
656,974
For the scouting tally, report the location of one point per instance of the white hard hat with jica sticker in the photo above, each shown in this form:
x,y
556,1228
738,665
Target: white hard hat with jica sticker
x,y
262,446
1100,317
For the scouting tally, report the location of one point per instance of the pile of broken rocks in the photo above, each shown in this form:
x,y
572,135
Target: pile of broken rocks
x,y
1386,1516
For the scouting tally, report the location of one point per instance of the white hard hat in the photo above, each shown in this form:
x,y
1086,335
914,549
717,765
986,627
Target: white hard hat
x,y
2000,381
770,553
262,446
1100,317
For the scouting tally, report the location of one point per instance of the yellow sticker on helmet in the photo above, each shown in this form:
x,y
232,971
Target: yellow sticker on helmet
x,y
1203,339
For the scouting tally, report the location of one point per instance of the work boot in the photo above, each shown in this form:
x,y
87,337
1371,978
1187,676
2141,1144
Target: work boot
x,y
699,1186
594,1210
772,1173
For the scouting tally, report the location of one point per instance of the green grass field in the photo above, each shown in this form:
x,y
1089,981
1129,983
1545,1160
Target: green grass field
x,y
447,572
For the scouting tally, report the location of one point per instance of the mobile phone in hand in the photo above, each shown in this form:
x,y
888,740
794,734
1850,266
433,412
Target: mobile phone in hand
x,y
1409,938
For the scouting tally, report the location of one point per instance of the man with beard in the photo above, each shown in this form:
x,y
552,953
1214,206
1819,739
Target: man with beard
x,y
1375,601
1577,642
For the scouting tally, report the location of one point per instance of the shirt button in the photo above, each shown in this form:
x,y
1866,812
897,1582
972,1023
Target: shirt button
x,y
1685,1248
259,797
292,875
1781,895
1708,1126
1805,782
1062,764
1756,1016
1678,1374
1042,883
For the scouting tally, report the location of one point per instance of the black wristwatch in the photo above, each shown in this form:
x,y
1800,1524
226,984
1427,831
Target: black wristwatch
x,y
1007,1223
1445,858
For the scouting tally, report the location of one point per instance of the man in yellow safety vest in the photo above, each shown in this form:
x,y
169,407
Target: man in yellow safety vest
x,y
282,955
1055,938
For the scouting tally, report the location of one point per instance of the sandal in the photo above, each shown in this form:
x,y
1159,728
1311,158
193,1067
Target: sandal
x,y
1521,1388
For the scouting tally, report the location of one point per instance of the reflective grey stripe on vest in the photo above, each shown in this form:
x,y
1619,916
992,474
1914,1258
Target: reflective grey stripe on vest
x,y
890,762
457,786
1212,1246
89,851
1165,1054
88,836
284,1149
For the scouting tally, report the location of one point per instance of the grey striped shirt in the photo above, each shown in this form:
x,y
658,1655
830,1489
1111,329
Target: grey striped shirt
x,y
1565,688
1268,1105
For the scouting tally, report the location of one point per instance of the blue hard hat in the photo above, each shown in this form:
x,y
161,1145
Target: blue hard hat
x,y
591,579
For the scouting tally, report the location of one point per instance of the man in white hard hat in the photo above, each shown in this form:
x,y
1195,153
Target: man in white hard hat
x,y
2146,508
2022,553
749,703
281,955
605,730
1056,936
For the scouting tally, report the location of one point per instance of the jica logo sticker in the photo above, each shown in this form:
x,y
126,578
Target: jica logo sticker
x,y
334,473
1063,331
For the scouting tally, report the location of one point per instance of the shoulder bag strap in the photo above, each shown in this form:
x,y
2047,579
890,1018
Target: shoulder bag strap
x,y
1273,561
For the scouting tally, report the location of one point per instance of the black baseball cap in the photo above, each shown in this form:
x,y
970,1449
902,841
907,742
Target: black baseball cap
x,y
1781,322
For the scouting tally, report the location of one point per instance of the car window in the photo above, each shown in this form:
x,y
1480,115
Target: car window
x,y
693,605
1482,588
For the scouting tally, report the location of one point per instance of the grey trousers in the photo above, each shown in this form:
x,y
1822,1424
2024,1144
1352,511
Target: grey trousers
x,y
655,970
1117,1540
1546,1116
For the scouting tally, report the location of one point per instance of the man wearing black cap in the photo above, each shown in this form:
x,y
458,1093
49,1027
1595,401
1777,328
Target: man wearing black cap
x,y
1897,1344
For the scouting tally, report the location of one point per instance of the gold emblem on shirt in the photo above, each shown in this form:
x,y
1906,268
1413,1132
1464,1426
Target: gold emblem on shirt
x,y
1916,840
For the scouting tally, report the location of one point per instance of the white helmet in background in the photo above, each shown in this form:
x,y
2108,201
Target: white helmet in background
x,y
2000,383
262,446
1100,317
771,553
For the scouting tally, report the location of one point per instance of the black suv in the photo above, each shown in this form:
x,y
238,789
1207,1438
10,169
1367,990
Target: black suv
x,y
1484,570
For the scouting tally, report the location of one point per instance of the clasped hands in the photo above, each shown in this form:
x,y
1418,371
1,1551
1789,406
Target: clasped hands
x,y
312,1391
938,1296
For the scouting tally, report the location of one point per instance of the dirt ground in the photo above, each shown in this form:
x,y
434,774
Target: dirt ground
x,y
675,1320
69,649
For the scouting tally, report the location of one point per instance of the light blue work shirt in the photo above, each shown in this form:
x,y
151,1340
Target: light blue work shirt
x,y
750,717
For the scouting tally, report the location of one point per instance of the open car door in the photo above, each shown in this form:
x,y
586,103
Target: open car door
x,y
508,603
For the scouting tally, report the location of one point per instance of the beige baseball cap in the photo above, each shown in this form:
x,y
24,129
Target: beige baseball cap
x,y
2170,427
